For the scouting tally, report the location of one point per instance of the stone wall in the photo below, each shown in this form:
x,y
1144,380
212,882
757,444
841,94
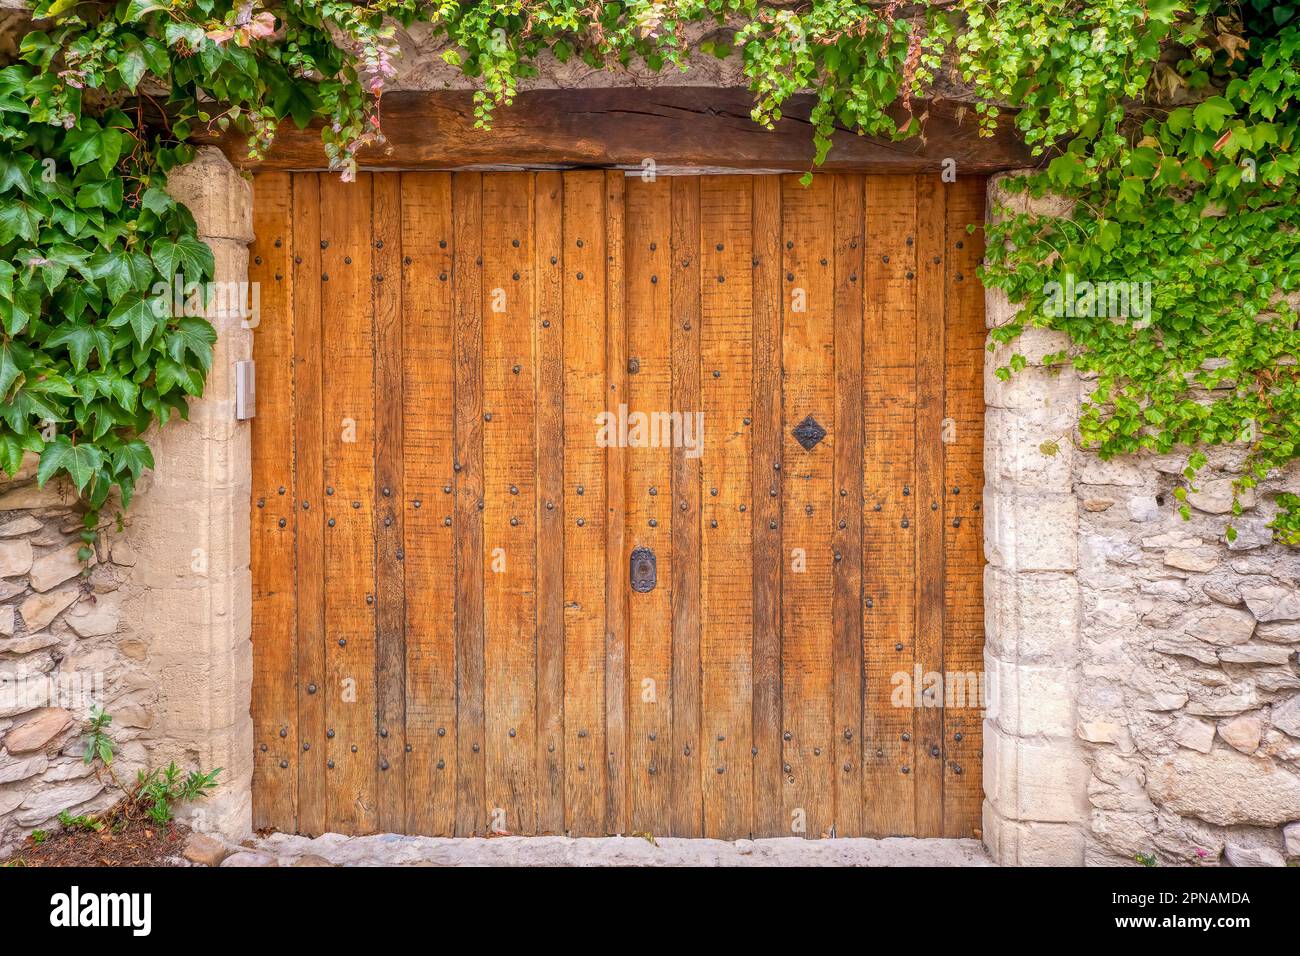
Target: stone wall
x,y
1145,668
155,627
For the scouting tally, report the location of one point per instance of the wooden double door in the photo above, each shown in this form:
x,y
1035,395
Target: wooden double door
x,y
589,504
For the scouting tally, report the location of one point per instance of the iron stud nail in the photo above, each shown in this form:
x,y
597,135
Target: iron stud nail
x,y
263,748
356,505
331,522
516,369
582,733
512,730
771,492
721,770
934,751
284,764
280,490
580,277
347,260
408,748
713,492
370,599
442,764
906,769
906,737
906,523
306,747
311,688
653,523
581,522
514,522
487,416
682,506
442,731
753,751
654,490
353,748
957,737
330,733
261,502
330,764
582,489
789,244
817,751
447,521
324,243
416,503
713,523
785,767
772,524
281,522
787,735
550,506
651,770
474,747
343,642
898,646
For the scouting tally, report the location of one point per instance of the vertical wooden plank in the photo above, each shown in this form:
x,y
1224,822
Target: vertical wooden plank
x,y
963,526
726,550
467,224
846,538
617,783
390,589
584,503
308,449
349,435
427,503
930,309
808,346
273,517
509,465
889,562
687,793
548,331
649,501
766,449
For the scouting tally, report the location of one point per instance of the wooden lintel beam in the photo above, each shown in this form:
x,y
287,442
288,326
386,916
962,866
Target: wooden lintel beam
x,y
679,128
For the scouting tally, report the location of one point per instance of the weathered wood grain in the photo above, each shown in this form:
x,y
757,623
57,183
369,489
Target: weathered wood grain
x,y
675,126
889,362
428,376
467,521
649,504
688,798
273,516
348,389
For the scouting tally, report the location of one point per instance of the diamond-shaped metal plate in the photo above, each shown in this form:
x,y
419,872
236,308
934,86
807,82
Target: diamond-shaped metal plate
x,y
808,433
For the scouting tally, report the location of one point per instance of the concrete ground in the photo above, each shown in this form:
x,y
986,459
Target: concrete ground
x,y
390,849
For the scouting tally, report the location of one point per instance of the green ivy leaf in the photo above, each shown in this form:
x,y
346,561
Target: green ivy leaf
x,y
138,313
186,256
79,461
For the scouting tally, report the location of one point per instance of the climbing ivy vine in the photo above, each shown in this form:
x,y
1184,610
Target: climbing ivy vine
x,y
1170,125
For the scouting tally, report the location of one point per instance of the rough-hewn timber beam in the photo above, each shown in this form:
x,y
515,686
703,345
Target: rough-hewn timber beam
x,y
692,127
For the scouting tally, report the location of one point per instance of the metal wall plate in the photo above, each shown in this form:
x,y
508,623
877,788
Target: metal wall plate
x,y
245,390
643,570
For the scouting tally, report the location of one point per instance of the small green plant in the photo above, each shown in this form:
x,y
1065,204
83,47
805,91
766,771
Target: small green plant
x,y
160,790
1286,524
79,822
39,837
155,793
1146,859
